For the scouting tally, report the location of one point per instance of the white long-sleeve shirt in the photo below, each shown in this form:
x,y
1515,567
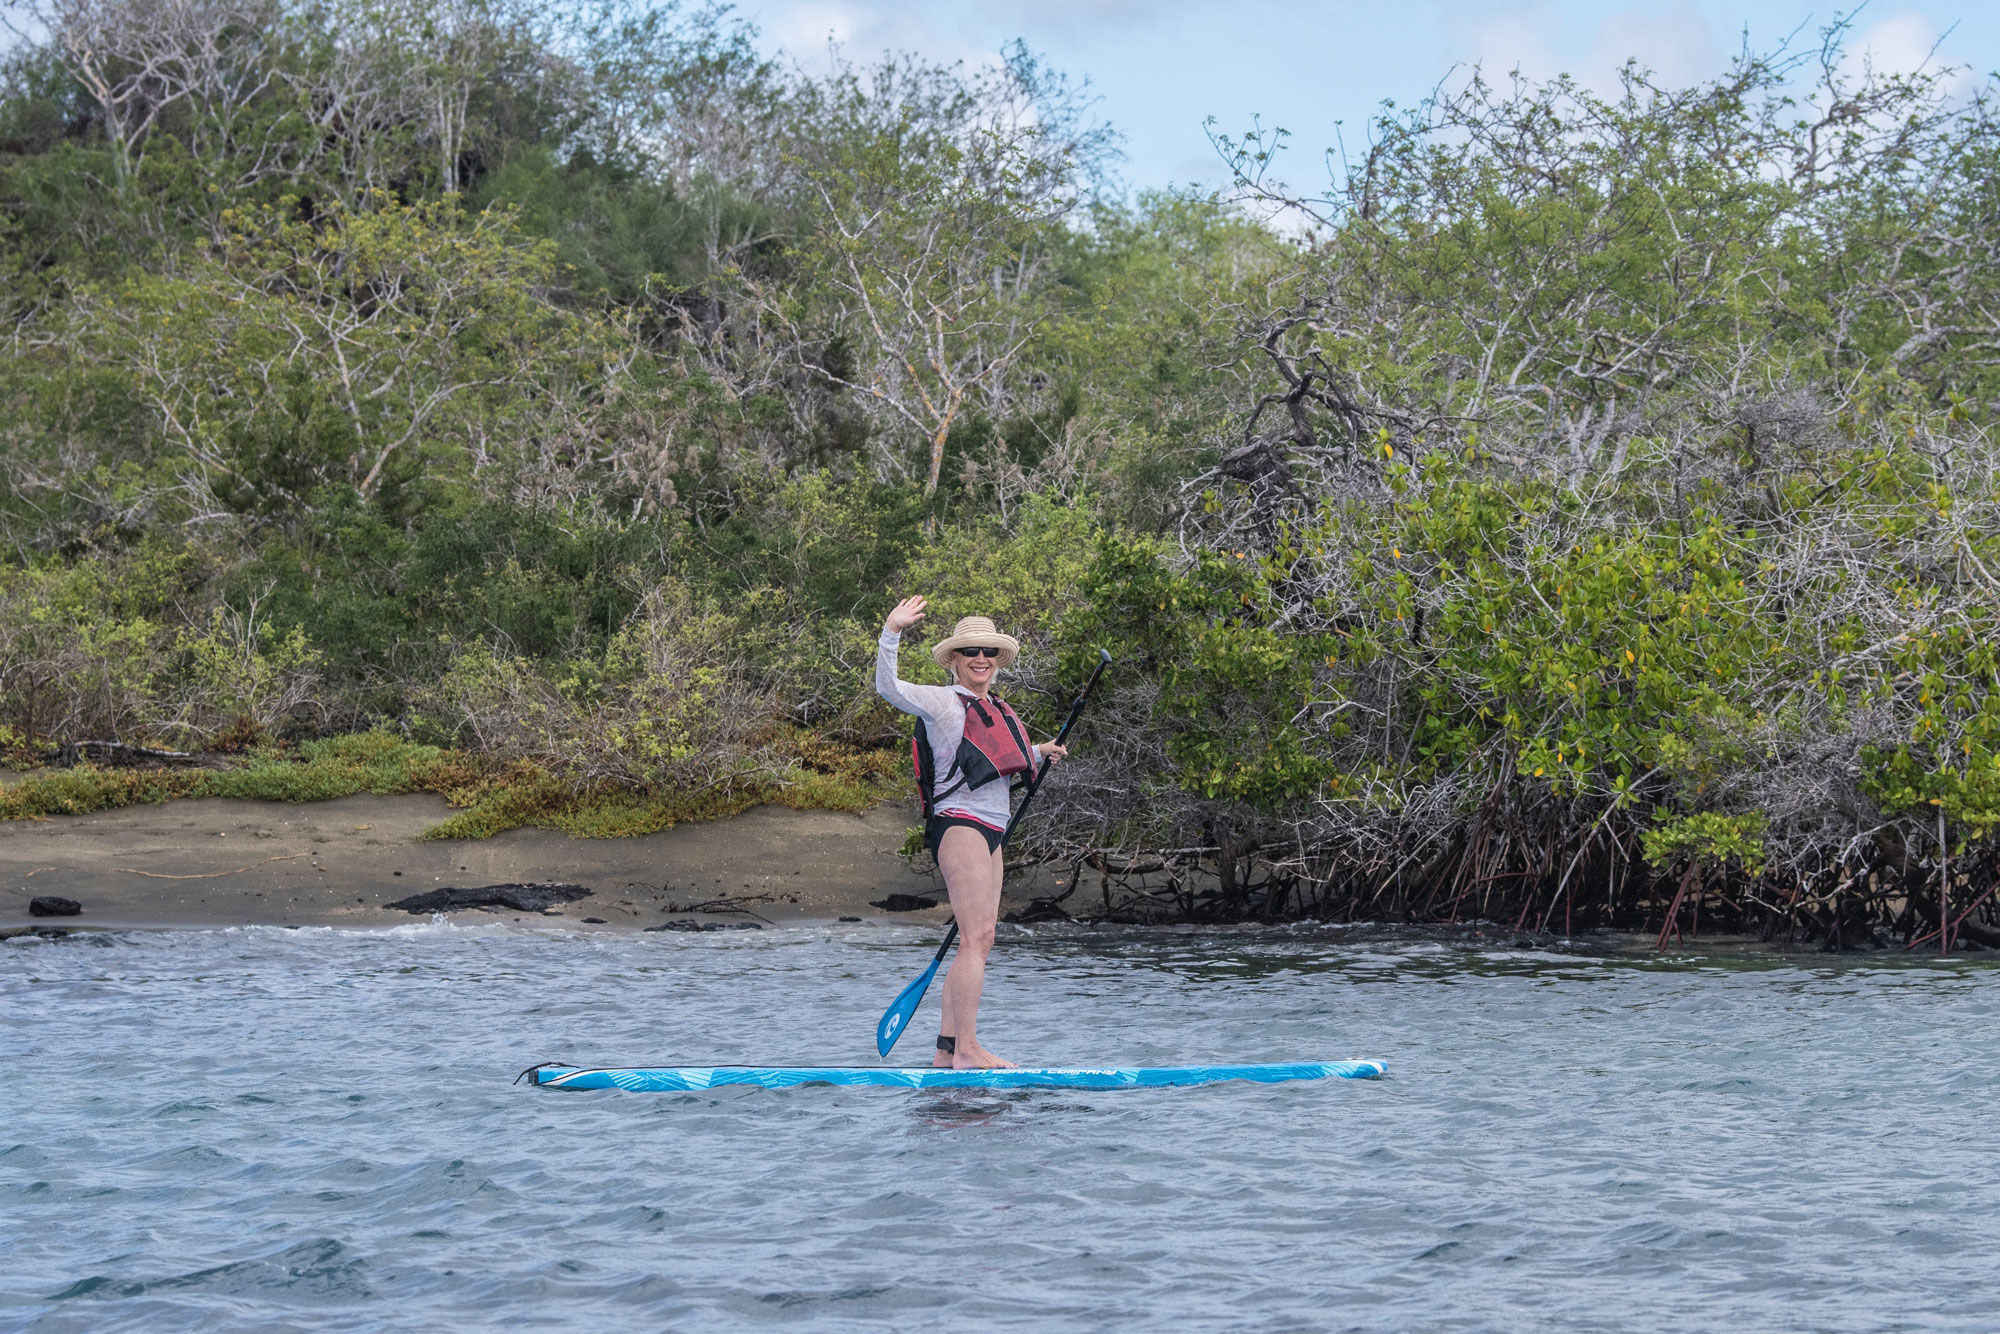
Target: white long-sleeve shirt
x,y
944,722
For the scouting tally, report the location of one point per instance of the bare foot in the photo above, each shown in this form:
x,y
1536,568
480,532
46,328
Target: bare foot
x,y
980,1059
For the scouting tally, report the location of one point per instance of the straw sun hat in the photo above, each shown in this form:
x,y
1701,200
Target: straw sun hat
x,y
975,632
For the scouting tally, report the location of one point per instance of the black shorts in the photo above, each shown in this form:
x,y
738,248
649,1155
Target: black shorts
x,y
935,826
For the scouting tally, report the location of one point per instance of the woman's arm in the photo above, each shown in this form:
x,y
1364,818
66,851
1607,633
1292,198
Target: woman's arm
x,y
926,702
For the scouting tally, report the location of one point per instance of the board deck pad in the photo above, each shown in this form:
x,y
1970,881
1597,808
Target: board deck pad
x,y
684,1079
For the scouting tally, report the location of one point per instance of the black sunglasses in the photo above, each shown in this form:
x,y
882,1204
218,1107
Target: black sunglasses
x,y
979,651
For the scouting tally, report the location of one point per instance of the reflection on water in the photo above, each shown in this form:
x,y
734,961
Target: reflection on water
x,y
954,1109
251,1128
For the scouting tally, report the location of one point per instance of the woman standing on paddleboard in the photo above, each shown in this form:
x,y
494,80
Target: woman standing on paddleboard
x,y
976,747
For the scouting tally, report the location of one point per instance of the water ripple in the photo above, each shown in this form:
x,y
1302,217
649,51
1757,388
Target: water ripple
x,y
315,1130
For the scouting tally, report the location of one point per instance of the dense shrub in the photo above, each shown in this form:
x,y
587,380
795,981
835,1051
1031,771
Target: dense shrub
x,y
1579,510
666,706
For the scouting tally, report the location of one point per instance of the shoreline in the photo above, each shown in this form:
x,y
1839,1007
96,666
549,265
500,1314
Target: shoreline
x,y
216,862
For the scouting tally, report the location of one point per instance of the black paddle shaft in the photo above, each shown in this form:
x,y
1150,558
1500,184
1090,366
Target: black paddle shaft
x,y
1062,733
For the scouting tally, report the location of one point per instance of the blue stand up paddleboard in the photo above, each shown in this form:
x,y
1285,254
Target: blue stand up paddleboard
x,y
693,1078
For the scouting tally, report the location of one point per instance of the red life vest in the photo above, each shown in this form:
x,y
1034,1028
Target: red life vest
x,y
995,745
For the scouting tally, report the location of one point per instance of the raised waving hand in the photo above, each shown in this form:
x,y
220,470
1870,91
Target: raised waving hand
x,y
906,614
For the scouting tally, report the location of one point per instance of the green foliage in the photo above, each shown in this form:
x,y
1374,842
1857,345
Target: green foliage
x,y
1710,836
113,648
665,706
237,667
1151,306
815,776
377,762
833,547
1230,684
434,324
1029,576
70,664
495,797
582,399
618,235
1949,760
1643,658
1025,572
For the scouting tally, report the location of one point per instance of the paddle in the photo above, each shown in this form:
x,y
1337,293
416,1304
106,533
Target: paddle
x,y
905,1005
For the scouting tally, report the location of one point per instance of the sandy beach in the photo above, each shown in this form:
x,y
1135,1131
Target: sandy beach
x,y
210,863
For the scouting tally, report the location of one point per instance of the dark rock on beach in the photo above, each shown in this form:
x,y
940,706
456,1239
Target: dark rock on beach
x,y
1040,910
684,924
521,898
119,753
49,905
903,903
850,919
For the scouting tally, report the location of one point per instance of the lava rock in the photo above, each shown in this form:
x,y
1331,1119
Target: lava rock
x,y
903,903
684,924
1040,910
850,919
593,921
50,905
521,898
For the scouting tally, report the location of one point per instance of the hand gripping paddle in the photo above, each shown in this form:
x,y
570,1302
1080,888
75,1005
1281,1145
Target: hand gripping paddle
x,y
900,1010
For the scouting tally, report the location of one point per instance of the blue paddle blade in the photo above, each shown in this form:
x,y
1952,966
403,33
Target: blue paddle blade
x,y
902,1009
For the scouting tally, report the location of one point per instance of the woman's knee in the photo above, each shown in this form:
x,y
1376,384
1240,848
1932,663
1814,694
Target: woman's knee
x,y
976,938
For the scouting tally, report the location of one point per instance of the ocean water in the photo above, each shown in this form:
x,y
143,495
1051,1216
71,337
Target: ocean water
x,y
316,1130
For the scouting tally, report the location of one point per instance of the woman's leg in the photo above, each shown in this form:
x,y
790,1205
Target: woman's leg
x,y
948,1020
981,1055
972,878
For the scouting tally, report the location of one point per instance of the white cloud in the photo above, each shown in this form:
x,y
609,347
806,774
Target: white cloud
x,y
1900,44
1513,40
1085,16
1676,45
1202,170
1674,41
1905,43
802,29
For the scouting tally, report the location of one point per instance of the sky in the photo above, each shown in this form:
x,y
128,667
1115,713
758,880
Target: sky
x,y
1317,67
